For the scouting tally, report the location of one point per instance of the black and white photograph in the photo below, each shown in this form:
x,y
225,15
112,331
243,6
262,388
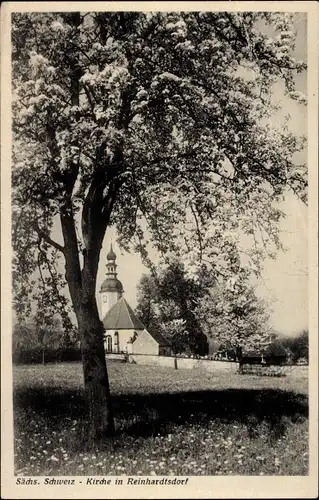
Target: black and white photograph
x,y
158,332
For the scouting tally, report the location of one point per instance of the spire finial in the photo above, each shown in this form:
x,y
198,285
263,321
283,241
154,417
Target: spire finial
x,y
111,255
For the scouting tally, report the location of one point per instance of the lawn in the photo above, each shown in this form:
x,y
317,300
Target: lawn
x,y
168,422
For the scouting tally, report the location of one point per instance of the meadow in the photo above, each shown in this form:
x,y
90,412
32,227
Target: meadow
x,y
168,422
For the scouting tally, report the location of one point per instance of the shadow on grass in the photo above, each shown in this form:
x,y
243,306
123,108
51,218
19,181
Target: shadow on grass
x,y
146,415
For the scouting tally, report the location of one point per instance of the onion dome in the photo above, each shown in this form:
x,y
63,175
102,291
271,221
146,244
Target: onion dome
x,y
111,284
111,255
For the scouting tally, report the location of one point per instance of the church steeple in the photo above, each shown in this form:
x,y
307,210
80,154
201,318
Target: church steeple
x,y
111,265
111,255
111,289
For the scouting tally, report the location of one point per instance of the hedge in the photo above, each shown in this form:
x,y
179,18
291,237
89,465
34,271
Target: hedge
x,y
36,355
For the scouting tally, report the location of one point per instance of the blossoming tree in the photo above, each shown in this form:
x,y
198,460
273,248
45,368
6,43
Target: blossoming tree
x,y
120,117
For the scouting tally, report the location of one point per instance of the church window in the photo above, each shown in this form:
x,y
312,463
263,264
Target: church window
x,y
116,342
108,342
105,298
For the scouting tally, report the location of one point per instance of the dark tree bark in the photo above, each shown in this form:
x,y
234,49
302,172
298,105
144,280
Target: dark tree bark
x,y
82,290
239,356
96,381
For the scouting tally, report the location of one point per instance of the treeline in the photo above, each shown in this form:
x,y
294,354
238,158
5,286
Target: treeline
x,y
297,346
282,350
192,312
48,343
202,316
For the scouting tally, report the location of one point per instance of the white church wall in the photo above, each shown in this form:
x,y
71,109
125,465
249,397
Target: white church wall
x,y
124,337
145,344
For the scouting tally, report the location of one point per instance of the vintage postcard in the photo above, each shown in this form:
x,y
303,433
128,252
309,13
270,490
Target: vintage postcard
x,y
159,218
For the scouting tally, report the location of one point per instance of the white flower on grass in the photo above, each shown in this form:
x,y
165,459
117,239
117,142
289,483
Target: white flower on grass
x,y
54,458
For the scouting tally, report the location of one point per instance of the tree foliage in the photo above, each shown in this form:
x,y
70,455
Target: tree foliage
x,y
167,303
41,339
297,346
191,311
232,313
169,112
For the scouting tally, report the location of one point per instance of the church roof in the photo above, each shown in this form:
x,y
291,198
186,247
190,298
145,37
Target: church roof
x,y
159,338
122,317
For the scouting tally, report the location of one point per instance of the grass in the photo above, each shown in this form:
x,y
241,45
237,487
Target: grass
x,y
184,422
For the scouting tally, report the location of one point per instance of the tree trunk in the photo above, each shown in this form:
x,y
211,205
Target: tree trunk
x,y
239,356
96,383
82,290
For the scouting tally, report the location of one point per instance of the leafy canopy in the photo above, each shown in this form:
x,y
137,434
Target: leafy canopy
x,y
122,117
192,311
167,302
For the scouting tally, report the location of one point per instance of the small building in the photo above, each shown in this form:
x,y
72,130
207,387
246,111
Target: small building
x,y
124,332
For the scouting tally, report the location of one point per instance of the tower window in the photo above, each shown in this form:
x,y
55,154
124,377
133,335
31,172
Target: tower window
x,y
105,298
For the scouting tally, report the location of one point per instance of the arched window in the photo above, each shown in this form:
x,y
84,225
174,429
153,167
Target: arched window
x,y
108,343
105,298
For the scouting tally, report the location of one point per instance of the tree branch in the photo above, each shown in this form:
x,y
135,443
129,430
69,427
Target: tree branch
x,y
198,232
47,238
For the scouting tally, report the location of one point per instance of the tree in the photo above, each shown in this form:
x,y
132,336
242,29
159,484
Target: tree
x,y
23,336
146,309
50,333
231,313
177,335
41,336
298,345
167,301
124,116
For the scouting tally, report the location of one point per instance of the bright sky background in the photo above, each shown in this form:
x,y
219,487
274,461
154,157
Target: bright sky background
x,y
284,281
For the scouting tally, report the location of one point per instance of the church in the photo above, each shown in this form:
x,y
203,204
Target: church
x,y
124,332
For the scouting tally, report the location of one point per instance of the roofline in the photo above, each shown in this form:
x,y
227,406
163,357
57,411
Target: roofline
x,y
116,329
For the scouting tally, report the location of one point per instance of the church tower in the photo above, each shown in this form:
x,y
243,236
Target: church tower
x,y
112,289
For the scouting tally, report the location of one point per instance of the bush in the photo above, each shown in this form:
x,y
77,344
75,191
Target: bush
x,y
263,370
